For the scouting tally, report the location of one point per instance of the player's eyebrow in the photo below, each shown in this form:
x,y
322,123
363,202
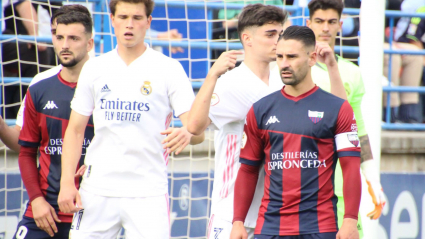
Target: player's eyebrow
x,y
291,55
272,31
321,19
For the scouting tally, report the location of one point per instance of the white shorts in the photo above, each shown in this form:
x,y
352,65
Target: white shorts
x,y
103,217
221,229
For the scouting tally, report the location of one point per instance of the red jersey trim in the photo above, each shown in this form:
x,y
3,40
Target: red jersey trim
x,y
67,83
297,98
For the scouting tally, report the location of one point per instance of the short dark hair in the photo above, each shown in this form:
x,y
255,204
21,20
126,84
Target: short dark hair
x,y
315,5
149,4
68,8
299,33
76,17
258,15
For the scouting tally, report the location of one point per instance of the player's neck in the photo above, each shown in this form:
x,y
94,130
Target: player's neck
x,y
303,87
260,68
129,54
71,74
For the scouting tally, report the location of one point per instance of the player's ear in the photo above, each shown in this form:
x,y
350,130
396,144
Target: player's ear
x,y
90,44
149,20
112,20
312,58
308,22
247,38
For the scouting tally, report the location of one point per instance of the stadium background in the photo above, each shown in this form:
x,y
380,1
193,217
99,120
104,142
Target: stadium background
x,y
191,174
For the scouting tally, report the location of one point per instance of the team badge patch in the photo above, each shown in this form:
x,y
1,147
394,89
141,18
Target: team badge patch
x,y
243,141
146,88
354,139
214,99
315,116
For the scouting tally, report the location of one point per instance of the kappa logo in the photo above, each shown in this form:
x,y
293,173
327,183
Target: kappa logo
x,y
315,116
105,88
273,119
354,139
217,232
50,105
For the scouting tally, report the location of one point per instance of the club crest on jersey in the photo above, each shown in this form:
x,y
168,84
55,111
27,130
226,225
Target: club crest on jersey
x,y
244,139
146,88
354,139
315,116
214,99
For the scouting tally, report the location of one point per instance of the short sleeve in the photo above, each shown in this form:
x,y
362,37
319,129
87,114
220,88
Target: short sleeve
x,y
180,90
346,138
30,134
252,151
229,102
83,101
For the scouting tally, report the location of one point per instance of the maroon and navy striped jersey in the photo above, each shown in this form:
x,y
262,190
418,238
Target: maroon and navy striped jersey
x,y
299,139
47,112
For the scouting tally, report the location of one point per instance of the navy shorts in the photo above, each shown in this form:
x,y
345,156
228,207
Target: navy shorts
x,y
28,229
326,235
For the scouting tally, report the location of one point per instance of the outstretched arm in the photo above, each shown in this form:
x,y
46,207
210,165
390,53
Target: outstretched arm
x,y
9,135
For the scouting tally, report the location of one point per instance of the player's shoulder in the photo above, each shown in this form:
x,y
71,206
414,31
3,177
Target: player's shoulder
x,y
268,101
239,78
327,97
157,57
46,74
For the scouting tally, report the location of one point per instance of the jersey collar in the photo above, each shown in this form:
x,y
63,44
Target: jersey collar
x,y
300,97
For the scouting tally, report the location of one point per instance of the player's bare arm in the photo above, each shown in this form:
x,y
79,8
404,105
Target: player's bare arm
x,y
178,138
71,153
198,119
9,135
326,54
370,171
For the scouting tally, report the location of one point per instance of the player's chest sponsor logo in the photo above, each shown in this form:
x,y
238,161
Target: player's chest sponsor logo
x,y
55,146
146,88
50,105
272,120
301,159
123,110
315,116
354,139
214,99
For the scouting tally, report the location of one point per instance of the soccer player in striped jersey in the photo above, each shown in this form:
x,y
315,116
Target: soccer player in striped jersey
x,y
298,134
325,16
46,115
132,102
223,103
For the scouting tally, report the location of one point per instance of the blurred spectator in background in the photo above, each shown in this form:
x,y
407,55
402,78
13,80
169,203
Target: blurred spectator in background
x,y
32,58
413,31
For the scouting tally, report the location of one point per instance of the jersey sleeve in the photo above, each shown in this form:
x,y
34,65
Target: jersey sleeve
x,y
30,134
355,101
83,101
228,103
252,152
180,90
346,139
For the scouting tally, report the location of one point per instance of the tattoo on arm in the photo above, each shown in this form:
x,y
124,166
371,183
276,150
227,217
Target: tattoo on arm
x,y
366,151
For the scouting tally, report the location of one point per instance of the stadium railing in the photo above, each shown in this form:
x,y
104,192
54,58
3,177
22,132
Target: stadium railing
x,y
297,12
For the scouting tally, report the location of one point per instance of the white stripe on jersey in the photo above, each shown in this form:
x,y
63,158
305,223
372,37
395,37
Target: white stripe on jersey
x,y
347,140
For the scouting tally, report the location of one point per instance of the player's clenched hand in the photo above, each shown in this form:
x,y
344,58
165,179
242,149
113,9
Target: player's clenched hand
x,y
66,199
325,54
238,231
80,171
177,139
44,216
225,62
348,229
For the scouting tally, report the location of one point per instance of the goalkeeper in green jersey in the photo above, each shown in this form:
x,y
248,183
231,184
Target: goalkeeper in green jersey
x,y
325,22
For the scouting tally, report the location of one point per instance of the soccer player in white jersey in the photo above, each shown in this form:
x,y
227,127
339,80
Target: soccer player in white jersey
x,y
224,102
132,100
9,135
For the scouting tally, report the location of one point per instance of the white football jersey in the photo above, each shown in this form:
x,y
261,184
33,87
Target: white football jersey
x,y
130,105
234,94
40,76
